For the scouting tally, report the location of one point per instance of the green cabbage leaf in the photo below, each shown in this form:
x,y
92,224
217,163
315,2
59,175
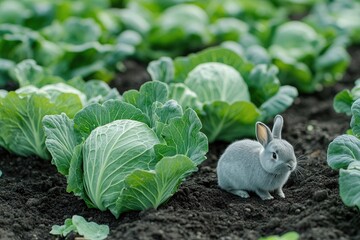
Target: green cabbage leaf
x,y
344,155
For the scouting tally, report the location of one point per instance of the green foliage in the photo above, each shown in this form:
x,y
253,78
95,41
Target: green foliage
x,y
229,93
337,19
344,155
77,224
304,58
345,99
127,155
68,38
21,113
42,94
150,188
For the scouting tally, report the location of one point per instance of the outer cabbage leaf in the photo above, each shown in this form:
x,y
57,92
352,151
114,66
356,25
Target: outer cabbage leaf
x,y
263,83
349,182
125,146
344,100
295,73
331,65
184,96
54,90
21,116
183,136
143,99
257,54
61,140
184,65
28,72
149,189
99,91
167,111
96,115
355,119
224,121
278,103
162,70
75,179
343,151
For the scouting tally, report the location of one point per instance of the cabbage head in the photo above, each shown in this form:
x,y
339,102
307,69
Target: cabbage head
x,y
228,93
128,154
41,94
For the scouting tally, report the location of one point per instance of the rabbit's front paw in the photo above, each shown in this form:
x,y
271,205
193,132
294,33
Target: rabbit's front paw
x,y
241,193
280,193
264,195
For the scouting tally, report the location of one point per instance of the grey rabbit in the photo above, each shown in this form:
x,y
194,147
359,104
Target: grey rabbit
x,y
259,166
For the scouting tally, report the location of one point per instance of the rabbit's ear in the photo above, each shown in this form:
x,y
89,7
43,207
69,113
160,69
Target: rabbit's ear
x,y
263,134
277,128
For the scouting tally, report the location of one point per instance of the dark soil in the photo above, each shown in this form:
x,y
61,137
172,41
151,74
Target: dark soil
x,y
33,196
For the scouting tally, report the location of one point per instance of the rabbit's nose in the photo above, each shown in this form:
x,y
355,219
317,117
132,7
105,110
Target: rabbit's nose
x,y
291,166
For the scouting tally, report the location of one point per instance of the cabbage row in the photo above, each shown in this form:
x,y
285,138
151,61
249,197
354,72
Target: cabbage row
x,y
69,38
90,39
131,152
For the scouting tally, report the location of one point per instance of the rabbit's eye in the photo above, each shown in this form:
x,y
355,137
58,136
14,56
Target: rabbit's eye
x,y
274,155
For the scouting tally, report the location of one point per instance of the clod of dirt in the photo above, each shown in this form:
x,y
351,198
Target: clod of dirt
x,y
320,195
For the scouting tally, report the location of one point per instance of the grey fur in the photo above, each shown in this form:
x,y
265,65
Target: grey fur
x,y
248,165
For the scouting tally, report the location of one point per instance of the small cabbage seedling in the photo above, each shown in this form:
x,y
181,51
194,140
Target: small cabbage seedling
x,y
77,224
